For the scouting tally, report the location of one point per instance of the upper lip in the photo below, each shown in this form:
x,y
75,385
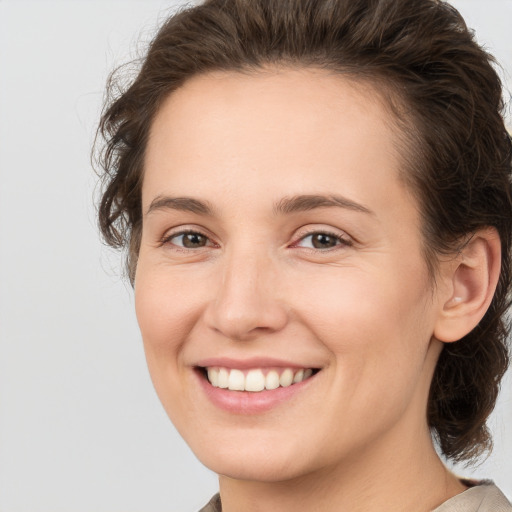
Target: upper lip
x,y
253,362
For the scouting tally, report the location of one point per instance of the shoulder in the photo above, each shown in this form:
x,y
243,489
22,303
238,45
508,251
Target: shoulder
x,y
213,505
483,496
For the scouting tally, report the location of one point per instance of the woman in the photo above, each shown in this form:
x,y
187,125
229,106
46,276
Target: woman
x,y
316,202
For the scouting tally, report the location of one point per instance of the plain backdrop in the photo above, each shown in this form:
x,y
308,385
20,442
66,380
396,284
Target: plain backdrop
x,y
81,429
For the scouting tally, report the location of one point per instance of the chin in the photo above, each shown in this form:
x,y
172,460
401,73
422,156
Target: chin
x,y
254,470
255,463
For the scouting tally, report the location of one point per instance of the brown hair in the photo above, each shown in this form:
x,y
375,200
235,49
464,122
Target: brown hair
x,y
446,98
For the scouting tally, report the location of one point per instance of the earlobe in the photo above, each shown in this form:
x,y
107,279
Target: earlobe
x,y
472,283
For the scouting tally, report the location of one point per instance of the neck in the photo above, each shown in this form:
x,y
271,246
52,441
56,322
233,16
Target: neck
x,y
408,476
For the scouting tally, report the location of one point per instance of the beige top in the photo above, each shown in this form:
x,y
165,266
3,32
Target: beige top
x,y
485,497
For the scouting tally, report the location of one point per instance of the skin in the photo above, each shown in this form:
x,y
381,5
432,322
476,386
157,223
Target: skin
x,y
364,311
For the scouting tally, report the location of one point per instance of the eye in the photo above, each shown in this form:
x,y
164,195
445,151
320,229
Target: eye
x,y
188,240
321,240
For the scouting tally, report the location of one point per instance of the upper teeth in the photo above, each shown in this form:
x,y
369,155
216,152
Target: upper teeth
x,y
255,379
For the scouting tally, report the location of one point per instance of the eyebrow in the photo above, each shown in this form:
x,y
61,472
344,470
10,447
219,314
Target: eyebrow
x,y
286,205
303,203
184,204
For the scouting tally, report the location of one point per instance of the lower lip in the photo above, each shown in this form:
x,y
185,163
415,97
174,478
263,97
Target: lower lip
x,y
247,402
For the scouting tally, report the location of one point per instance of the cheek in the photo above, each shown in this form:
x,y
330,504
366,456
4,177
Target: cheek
x,y
377,325
364,306
166,312
164,319
166,304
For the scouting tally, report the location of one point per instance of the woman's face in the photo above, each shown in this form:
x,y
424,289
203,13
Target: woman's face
x,y
278,243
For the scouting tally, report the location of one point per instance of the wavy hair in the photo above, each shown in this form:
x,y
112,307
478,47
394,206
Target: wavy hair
x,y
446,99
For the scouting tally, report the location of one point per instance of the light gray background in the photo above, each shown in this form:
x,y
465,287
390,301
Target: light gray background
x,y
80,426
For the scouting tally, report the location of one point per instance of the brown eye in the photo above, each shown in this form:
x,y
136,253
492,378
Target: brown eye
x,y
191,240
321,240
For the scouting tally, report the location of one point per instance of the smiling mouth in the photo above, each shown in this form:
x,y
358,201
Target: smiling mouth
x,y
256,379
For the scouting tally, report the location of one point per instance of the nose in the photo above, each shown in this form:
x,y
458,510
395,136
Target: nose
x,y
246,304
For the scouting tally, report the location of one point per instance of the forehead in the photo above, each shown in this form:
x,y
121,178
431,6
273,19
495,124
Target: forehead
x,y
302,99
278,127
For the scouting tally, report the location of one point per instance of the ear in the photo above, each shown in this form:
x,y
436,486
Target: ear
x,y
471,281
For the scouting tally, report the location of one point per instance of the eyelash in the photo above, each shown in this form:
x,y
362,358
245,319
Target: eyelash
x,y
167,238
341,241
